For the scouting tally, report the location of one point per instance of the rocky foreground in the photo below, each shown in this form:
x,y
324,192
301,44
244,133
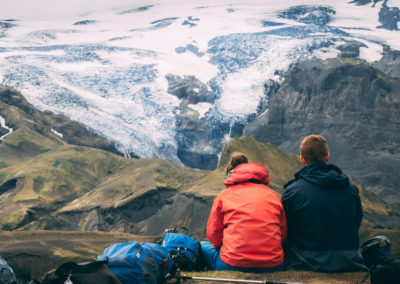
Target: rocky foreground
x,y
32,253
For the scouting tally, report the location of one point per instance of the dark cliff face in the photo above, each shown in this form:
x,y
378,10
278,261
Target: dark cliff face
x,y
389,63
195,133
354,105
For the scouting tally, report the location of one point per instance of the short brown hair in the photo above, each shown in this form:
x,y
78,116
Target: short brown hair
x,y
236,159
314,148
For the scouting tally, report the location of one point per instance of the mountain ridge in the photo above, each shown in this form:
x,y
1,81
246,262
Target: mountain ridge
x,y
54,184
36,132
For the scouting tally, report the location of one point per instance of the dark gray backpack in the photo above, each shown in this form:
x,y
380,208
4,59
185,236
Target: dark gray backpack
x,y
382,268
83,273
7,275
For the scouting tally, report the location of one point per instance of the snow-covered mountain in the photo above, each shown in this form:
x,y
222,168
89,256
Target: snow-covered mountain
x,y
176,79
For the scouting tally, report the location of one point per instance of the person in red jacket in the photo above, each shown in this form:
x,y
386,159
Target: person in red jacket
x,y
247,223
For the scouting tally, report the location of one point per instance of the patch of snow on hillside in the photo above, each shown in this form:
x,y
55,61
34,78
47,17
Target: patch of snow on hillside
x,y
3,125
57,133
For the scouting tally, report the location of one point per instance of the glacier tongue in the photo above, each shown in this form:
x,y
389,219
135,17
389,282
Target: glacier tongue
x,y
109,68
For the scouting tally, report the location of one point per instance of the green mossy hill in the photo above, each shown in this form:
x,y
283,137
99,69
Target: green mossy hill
x,y
34,131
50,180
81,180
82,188
281,165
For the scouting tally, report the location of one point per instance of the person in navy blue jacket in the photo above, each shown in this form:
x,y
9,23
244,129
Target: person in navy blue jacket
x,y
324,213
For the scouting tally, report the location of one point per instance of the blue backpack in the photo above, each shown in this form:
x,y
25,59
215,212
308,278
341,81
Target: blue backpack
x,y
183,249
135,263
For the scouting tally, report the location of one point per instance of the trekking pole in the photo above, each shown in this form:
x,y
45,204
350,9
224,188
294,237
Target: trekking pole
x,y
184,277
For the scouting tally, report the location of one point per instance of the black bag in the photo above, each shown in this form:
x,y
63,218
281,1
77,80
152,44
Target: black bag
x,y
85,273
381,268
387,272
7,275
375,250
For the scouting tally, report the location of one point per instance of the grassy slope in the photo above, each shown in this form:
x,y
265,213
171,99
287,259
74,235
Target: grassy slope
x,y
32,130
135,178
72,178
281,165
52,179
29,137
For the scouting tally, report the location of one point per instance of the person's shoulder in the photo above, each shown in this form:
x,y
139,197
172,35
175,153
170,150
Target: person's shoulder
x,y
293,190
354,189
294,184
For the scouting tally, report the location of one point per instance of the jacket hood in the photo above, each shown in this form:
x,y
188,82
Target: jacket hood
x,y
248,172
323,174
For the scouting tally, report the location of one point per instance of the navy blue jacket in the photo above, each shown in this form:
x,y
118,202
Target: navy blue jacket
x,y
323,211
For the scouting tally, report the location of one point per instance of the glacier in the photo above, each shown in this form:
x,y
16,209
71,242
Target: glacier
x,y
113,68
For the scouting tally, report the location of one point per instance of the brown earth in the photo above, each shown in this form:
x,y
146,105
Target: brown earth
x,y
32,253
278,277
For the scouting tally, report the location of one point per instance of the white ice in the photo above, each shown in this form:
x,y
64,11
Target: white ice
x,y
57,133
145,123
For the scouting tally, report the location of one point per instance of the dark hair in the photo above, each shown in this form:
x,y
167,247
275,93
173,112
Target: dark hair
x,y
237,158
314,148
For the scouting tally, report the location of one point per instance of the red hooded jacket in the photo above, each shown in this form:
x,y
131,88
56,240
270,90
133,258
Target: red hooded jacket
x,y
247,220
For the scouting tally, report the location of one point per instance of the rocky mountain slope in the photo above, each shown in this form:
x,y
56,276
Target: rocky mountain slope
x,y
27,132
355,106
46,182
51,185
69,187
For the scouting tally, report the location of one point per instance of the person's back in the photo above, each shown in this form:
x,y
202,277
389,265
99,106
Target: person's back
x,y
324,213
252,216
247,224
